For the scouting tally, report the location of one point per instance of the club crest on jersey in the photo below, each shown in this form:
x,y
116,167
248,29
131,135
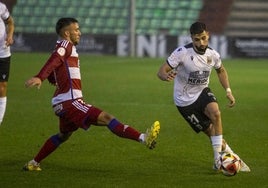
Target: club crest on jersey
x,y
209,60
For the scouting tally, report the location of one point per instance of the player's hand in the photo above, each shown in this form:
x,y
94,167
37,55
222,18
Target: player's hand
x,y
9,41
171,75
231,98
34,81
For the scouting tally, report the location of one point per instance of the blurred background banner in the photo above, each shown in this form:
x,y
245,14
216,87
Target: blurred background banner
x,y
140,28
34,42
248,47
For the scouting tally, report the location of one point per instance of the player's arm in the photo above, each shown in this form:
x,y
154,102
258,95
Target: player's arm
x,y
223,78
10,30
53,62
166,72
34,81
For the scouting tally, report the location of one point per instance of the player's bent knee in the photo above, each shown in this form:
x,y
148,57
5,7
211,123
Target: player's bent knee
x,y
105,118
215,115
64,137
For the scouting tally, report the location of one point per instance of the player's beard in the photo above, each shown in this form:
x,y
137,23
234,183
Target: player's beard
x,y
201,49
76,41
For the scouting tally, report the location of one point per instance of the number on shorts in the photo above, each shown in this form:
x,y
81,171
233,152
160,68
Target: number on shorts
x,y
194,121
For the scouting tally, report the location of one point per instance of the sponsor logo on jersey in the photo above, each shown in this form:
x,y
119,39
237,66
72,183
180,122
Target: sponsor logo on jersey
x,y
198,78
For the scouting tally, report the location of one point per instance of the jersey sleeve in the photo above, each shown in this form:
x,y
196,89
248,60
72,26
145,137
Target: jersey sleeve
x,y
56,59
4,12
176,57
217,60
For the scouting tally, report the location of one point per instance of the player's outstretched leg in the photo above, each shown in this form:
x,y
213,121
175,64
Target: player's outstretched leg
x,y
125,131
152,134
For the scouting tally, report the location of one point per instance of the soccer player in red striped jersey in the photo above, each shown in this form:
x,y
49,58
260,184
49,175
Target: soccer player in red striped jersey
x,y
62,70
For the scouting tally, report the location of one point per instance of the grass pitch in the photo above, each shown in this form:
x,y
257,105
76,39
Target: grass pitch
x,y
129,89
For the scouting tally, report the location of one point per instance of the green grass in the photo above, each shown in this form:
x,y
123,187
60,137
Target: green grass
x,y
129,89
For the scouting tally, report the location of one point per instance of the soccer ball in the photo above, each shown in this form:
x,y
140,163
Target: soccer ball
x,y
230,164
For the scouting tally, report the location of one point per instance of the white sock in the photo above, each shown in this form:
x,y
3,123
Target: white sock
x,y
3,104
216,142
142,138
33,162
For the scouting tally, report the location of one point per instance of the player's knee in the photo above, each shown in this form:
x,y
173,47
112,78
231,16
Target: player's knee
x,y
215,115
3,84
3,87
105,118
64,137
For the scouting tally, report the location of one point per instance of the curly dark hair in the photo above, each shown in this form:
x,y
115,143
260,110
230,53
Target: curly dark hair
x,y
197,28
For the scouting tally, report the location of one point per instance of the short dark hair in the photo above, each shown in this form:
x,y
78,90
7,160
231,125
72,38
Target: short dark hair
x,y
197,28
63,22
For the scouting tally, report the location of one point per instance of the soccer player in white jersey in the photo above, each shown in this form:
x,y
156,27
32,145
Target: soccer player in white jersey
x,y
6,39
190,67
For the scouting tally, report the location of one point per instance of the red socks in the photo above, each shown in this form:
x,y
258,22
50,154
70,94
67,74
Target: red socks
x,y
115,126
50,145
123,130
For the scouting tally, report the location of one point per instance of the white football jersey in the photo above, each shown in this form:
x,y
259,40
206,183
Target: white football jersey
x,y
4,13
193,72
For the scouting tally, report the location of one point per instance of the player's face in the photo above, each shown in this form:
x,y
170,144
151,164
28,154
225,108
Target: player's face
x,y
200,42
74,33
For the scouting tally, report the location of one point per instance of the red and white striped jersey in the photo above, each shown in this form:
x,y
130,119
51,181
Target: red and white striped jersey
x,y
62,70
